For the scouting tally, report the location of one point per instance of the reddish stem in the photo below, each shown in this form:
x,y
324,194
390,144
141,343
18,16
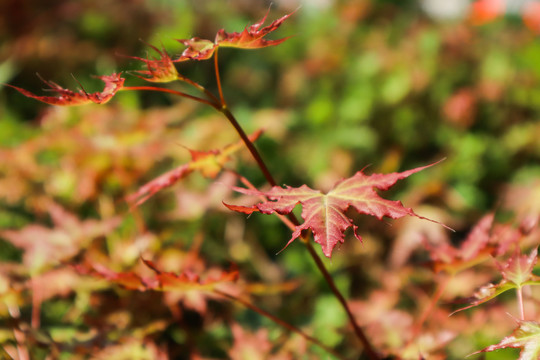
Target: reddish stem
x,y
441,286
372,354
218,79
199,87
170,91
249,144
520,303
370,351
278,321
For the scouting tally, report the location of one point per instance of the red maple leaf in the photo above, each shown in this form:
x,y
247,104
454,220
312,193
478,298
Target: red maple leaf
x,y
113,83
325,214
160,281
250,38
475,249
197,49
208,163
158,70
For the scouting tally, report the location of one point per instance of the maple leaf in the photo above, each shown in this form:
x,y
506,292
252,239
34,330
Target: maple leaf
x,y
161,281
526,336
473,250
158,70
209,163
44,246
250,38
113,83
516,271
324,214
197,49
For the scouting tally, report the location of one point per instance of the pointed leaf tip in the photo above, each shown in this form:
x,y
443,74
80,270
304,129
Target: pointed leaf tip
x,y
325,214
252,37
113,83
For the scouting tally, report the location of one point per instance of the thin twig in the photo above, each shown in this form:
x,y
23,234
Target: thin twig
x,y
441,286
249,144
371,353
278,321
520,303
201,88
170,91
218,79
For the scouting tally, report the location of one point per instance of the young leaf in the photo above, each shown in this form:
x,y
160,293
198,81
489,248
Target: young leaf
x,y
113,83
209,163
324,214
197,49
516,271
250,38
159,70
526,336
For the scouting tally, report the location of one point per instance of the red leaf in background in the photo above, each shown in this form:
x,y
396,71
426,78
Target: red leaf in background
x,y
473,250
44,246
324,214
159,70
249,345
66,97
163,181
460,107
209,163
485,11
252,36
531,16
161,281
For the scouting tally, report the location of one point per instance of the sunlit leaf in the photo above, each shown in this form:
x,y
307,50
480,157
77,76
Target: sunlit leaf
x,y
113,83
516,271
160,69
252,37
325,214
208,163
525,337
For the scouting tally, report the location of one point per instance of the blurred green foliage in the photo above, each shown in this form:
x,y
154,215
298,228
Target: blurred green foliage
x,y
360,83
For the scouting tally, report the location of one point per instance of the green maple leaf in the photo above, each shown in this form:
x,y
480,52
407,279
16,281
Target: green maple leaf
x,y
325,214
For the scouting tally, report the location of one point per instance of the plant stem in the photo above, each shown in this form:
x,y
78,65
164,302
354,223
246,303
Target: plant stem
x,y
520,303
371,353
270,179
218,78
170,91
260,162
441,286
278,321
201,88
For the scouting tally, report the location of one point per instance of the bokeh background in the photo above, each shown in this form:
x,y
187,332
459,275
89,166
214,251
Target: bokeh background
x,y
387,85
